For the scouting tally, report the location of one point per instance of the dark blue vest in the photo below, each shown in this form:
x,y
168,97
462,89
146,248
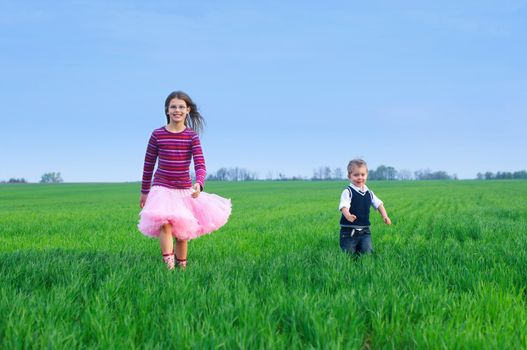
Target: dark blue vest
x,y
360,207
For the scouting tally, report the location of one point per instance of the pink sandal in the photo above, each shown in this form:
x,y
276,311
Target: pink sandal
x,y
169,260
181,263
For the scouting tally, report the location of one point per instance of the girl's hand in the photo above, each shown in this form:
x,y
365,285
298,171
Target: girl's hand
x,y
197,190
142,199
353,217
387,220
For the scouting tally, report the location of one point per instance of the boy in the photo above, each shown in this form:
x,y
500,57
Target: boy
x,y
355,203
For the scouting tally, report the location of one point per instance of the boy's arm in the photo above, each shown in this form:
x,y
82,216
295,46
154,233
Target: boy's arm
x,y
384,215
346,212
345,199
378,205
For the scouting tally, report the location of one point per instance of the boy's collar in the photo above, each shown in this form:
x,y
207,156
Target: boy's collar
x,y
358,189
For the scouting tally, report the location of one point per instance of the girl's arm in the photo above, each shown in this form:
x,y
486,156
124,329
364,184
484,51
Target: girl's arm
x,y
384,215
199,166
142,200
148,169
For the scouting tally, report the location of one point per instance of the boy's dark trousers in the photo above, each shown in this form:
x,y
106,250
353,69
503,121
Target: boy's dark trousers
x,y
355,241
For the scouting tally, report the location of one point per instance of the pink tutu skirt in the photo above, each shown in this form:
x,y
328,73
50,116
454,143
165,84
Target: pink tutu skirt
x,y
189,217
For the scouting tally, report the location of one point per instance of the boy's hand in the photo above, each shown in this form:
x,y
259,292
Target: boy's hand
x,y
349,216
387,220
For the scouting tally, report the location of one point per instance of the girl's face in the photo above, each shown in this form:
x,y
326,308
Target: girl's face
x,y
178,110
358,175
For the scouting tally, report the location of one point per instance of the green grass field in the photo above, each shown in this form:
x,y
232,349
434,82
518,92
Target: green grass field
x,y
449,273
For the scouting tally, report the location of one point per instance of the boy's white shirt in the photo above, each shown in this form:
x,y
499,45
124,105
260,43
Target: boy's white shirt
x,y
345,197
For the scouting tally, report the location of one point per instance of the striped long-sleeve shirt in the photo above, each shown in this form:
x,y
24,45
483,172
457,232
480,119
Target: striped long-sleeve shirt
x,y
174,151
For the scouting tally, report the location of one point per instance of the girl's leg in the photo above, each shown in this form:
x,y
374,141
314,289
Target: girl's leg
x,y
181,252
167,245
165,239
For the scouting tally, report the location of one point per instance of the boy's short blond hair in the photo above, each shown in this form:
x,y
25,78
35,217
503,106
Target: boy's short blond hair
x,y
356,163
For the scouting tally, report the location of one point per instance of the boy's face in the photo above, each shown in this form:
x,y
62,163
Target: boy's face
x,y
358,175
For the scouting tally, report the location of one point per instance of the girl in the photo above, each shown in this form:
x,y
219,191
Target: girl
x,y
171,205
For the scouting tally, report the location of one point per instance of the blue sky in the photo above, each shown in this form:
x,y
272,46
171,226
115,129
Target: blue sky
x,y
284,86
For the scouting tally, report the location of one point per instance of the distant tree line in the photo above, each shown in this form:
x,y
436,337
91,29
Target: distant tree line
x,y
232,174
47,178
384,172
51,178
15,181
323,173
326,173
522,174
433,175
